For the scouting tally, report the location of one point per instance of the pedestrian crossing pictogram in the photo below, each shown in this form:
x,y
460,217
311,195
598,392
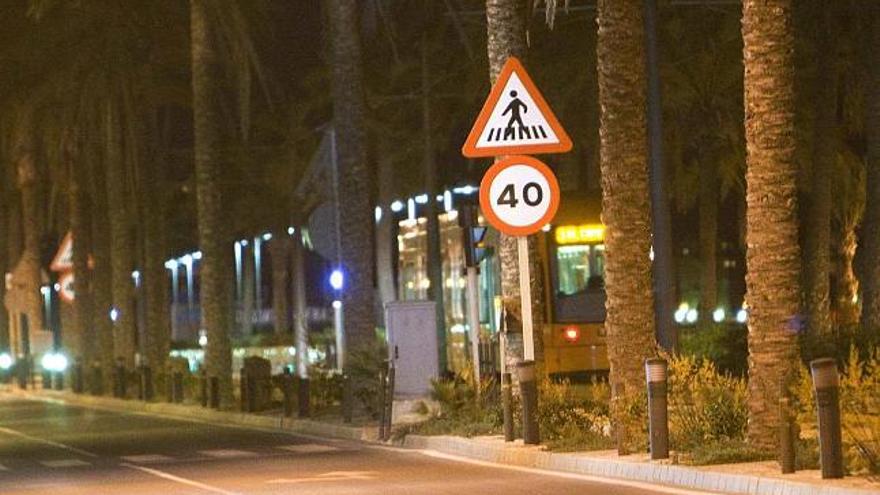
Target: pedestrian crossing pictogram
x,y
515,119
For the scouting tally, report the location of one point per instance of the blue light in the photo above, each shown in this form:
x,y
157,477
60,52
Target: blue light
x,y
197,255
397,206
290,230
171,265
114,314
267,236
337,280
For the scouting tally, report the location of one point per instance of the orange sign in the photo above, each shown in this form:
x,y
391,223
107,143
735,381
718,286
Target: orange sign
x,y
519,195
63,260
515,120
66,290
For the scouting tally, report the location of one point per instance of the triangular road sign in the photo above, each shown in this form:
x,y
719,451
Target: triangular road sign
x,y
515,120
63,260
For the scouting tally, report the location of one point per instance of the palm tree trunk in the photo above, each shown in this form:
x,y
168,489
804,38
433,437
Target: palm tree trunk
x,y
506,30
708,242
5,225
80,226
157,334
102,276
626,207
871,229
385,228
213,239
354,177
121,245
817,241
773,258
280,251
300,325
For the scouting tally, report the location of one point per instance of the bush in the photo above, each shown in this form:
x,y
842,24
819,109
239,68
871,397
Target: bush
x,y
725,345
705,407
725,452
568,422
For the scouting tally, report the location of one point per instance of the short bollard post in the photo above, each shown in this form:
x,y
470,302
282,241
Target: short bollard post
x,y
78,378
147,383
287,392
826,384
658,422
120,391
786,437
244,391
389,402
507,407
347,398
529,392
58,381
383,389
203,386
215,392
302,398
177,387
47,380
97,380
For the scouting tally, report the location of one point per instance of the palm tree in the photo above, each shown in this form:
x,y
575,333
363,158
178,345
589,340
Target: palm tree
x,y
354,175
773,259
817,238
281,253
121,242
80,226
213,239
506,32
871,229
102,294
626,207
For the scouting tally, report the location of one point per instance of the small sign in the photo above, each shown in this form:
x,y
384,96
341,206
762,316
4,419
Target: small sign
x,y
519,195
66,292
515,120
63,260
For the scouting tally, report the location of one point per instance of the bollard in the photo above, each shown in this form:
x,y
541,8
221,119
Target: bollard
x,y
658,422
389,402
203,386
177,387
287,392
147,383
244,391
303,398
826,384
58,380
529,392
215,392
120,385
78,378
507,407
347,398
787,453
383,386
97,380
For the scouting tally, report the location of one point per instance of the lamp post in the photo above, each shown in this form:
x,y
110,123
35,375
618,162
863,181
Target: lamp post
x,y
337,282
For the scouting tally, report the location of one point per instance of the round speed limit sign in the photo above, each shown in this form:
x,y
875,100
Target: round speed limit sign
x,y
519,195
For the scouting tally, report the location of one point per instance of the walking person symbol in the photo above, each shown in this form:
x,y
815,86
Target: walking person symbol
x,y
514,108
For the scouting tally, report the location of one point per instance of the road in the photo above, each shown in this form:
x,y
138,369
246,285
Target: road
x,y
57,449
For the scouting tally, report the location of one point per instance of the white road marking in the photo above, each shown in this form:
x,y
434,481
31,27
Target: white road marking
x,y
574,476
146,458
178,479
227,453
330,476
47,442
65,463
3,468
309,448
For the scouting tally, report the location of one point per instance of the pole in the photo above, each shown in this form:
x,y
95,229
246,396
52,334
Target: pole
x,y
525,292
827,383
339,326
473,295
658,422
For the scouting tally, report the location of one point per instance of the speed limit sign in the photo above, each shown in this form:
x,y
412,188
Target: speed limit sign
x,y
519,195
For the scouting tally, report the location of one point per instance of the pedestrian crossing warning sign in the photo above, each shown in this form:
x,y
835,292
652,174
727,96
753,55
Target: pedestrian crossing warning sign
x,y
515,120
63,260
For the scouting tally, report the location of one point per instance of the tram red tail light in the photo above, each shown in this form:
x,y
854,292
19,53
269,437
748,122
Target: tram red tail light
x,y
571,334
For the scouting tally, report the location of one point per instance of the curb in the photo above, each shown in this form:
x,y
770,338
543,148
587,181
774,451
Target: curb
x,y
197,413
666,474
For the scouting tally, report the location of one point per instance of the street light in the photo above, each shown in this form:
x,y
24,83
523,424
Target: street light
x,y
6,361
337,281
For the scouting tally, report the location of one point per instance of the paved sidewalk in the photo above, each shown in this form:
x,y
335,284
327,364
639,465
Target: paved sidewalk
x,y
762,478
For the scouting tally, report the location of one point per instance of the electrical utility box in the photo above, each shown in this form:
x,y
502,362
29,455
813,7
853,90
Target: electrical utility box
x,y
411,327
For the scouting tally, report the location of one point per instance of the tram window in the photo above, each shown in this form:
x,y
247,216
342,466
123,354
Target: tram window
x,y
573,263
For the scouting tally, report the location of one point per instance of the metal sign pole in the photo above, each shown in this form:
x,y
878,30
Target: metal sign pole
x,y
473,294
522,245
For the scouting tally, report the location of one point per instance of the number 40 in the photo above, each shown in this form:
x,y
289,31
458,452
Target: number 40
x,y
532,194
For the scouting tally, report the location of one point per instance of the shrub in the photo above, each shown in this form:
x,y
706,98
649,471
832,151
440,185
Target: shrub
x,y
705,407
569,422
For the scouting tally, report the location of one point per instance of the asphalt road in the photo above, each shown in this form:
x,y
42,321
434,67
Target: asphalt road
x,y
56,449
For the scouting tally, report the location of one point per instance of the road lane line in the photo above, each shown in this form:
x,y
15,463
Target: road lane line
x,y
574,476
65,463
308,448
48,442
178,479
227,453
146,458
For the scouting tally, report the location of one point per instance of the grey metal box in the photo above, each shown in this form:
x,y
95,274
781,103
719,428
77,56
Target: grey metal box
x,y
412,342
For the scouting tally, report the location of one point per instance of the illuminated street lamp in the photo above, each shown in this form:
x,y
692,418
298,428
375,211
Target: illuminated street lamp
x,y
337,282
